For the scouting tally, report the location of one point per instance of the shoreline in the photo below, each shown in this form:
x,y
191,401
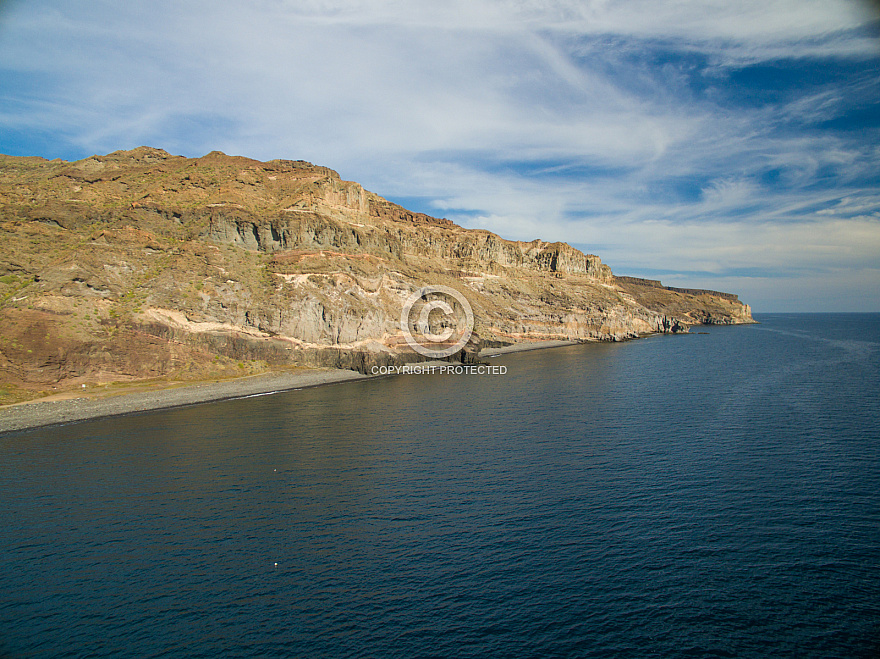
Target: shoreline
x,y
524,347
42,413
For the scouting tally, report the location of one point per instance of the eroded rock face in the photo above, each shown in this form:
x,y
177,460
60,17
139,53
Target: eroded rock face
x,y
143,264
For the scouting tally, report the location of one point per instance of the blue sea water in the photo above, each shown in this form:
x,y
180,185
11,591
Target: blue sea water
x,y
706,495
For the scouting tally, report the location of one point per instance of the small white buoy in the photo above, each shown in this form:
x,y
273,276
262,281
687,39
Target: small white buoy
x,y
276,564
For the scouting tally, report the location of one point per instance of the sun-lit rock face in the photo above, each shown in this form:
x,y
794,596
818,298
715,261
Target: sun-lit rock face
x,y
141,264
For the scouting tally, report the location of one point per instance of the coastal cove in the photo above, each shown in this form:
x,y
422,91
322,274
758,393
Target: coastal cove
x,y
709,494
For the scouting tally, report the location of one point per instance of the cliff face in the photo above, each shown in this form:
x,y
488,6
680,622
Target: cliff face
x,y
140,264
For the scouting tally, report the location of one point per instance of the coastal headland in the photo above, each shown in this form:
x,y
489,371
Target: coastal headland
x,y
140,270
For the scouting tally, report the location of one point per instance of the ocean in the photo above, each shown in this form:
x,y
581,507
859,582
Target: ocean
x,y
715,494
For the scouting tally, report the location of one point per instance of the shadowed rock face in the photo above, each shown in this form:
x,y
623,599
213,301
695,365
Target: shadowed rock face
x,y
141,264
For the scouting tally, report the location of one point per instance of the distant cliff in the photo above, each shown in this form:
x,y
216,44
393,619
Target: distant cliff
x,y
140,265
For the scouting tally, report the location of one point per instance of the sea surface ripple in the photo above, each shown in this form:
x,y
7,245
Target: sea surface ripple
x,y
706,495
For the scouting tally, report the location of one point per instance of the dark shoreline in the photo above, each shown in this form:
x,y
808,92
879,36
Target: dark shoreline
x,y
46,414
31,415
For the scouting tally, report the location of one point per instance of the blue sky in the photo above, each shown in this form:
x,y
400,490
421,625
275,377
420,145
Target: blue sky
x,y
725,145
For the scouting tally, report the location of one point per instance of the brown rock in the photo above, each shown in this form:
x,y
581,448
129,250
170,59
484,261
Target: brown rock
x,y
140,264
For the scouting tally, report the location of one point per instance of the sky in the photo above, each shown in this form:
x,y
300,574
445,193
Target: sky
x,y
729,145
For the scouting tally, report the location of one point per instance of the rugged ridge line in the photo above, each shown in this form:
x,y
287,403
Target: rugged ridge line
x,y
140,264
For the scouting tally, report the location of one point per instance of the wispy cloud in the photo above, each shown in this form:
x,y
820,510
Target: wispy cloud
x,y
700,139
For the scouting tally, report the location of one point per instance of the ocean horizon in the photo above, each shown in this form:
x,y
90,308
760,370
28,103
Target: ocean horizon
x,y
711,494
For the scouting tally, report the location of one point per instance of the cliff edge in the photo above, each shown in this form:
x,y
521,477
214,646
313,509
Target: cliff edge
x,y
140,265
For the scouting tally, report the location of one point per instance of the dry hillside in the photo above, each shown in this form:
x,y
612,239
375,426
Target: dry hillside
x,y
142,265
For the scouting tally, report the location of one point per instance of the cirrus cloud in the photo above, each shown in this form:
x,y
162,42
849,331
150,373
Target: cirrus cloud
x,y
714,144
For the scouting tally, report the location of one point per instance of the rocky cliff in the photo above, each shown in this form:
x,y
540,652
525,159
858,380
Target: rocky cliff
x,y
140,264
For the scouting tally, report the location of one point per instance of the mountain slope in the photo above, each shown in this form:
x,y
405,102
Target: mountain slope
x,y
140,265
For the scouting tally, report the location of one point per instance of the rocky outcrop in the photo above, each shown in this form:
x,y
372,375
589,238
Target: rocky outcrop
x,y
142,264
654,283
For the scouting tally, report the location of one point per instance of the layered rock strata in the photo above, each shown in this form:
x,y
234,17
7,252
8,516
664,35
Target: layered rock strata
x,y
140,264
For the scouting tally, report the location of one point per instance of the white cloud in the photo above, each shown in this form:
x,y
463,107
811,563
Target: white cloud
x,y
452,101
